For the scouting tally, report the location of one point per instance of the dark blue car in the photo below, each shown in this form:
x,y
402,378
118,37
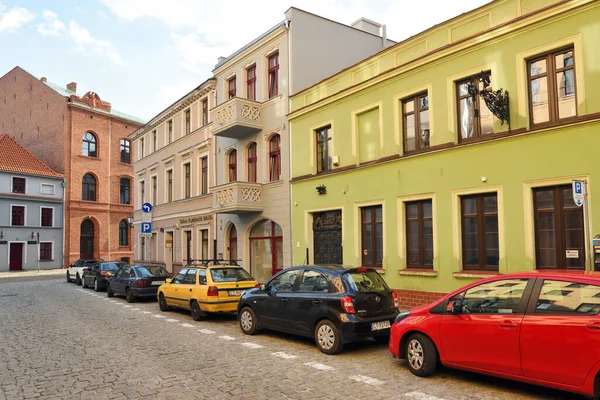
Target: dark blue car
x,y
137,281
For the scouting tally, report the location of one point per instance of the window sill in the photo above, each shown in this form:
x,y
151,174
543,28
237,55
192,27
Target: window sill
x,y
90,158
418,272
123,163
475,274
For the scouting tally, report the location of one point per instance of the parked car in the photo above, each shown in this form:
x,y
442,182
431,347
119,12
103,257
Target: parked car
x,y
97,275
333,304
75,270
205,289
536,327
137,281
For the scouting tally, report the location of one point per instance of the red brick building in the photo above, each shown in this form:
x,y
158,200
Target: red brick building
x,y
84,139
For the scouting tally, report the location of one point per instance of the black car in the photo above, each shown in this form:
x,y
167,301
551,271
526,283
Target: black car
x,y
137,281
98,274
334,304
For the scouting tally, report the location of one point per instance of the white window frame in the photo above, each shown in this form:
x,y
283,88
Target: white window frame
x,y
141,182
42,186
24,255
24,217
40,251
53,216
22,177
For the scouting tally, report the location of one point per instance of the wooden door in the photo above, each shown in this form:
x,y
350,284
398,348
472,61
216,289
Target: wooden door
x,y
16,257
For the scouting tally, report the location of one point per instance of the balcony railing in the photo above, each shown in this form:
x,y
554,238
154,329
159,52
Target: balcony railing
x,y
237,118
237,197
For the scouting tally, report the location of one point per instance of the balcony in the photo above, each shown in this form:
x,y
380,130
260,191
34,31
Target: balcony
x,y
237,118
237,198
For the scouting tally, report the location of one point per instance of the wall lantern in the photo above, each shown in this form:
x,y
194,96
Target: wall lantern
x,y
497,101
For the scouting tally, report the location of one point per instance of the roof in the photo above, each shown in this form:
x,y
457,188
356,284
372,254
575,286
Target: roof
x,y
14,158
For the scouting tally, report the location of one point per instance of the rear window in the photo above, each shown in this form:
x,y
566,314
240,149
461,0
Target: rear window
x,y
112,266
230,275
147,271
364,282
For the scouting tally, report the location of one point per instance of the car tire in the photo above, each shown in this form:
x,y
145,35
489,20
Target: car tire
x,y
68,278
96,285
162,303
421,355
328,337
129,296
248,321
109,292
83,285
77,279
197,313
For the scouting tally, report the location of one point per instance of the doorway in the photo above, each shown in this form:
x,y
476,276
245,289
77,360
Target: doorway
x,y
327,237
266,250
86,241
16,257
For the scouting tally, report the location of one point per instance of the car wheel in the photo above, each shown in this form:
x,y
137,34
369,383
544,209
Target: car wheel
x,y
77,279
248,321
162,303
96,285
83,285
109,291
129,296
421,355
197,313
68,277
327,337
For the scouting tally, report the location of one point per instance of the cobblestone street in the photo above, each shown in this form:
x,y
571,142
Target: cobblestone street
x,y
59,341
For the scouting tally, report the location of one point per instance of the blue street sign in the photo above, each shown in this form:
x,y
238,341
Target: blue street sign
x,y
146,227
578,192
147,207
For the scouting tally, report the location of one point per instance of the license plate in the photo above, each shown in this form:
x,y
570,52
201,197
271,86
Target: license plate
x,y
377,326
157,283
235,292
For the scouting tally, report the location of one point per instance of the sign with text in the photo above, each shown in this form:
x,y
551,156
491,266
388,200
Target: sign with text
x,y
578,192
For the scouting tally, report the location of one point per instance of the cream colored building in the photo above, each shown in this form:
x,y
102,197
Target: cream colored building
x,y
173,171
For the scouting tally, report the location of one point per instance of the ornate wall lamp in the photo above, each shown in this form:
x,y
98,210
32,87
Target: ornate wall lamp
x,y
497,101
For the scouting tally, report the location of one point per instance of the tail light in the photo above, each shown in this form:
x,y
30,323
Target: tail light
x,y
347,304
142,282
257,285
106,274
85,269
212,291
396,300
362,269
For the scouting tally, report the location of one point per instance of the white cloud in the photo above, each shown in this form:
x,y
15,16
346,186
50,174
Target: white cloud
x,y
52,25
85,43
13,19
197,55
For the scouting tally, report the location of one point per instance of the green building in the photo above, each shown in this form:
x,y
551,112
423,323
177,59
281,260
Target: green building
x,y
399,164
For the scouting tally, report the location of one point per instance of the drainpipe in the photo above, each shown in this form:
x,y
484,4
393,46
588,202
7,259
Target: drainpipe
x,y
384,36
214,174
289,140
109,202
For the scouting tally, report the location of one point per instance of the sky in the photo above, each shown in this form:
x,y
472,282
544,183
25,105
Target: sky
x,y
143,55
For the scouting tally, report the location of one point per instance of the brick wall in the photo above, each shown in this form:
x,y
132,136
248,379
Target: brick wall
x,y
414,298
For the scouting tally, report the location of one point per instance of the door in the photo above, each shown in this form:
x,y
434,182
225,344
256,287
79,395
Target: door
x,y
185,290
273,307
118,283
86,240
266,250
306,303
16,257
560,339
172,291
327,237
485,333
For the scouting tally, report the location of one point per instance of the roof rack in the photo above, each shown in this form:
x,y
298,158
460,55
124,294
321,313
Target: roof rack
x,y
208,262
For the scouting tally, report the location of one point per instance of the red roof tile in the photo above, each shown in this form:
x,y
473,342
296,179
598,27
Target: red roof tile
x,y
14,158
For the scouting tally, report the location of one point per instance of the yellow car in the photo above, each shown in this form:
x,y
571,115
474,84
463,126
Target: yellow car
x,y
205,289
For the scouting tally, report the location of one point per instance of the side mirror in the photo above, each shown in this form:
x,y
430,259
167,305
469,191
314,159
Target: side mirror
x,y
454,307
263,287
168,280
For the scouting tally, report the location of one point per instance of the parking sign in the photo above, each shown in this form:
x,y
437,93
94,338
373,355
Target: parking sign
x,y
146,227
578,192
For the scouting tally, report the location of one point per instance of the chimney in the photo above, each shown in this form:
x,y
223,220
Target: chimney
x,y
43,79
72,87
367,25
221,58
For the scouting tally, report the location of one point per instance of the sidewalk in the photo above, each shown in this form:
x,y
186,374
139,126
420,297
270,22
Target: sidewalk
x,y
46,273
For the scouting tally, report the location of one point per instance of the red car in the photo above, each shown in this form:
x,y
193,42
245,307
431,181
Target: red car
x,y
536,327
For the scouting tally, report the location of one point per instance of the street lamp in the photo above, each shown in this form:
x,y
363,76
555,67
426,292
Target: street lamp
x,y
130,220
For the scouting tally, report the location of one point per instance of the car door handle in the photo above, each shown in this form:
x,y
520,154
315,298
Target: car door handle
x,y
507,324
190,290
316,302
594,326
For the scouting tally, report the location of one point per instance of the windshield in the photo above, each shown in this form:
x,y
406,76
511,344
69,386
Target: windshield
x,y
109,266
230,275
364,282
148,271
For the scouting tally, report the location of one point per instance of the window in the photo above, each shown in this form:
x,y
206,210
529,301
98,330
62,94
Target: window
x,y
125,191
17,216
123,233
480,248
324,156
564,297
142,148
154,140
46,251
419,234
188,126
313,281
252,163
284,282
89,145
274,159
18,185
170,131
372,236
231,88
251,82
47,188
142,193
88,188
496,297
169,186
204,166
204,112
416,123
559,229
369,135
204,246
154,190
190,277
274,75
552,87
202,277
188,182
180,276
232,166
47,216
474,118
125,151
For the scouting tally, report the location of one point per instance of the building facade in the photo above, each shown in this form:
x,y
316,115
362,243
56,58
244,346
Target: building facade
x,y
451,156
174,173
31,211
86,140
252,195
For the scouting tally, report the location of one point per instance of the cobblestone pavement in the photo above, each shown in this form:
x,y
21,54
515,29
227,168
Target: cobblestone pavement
x,y
59,341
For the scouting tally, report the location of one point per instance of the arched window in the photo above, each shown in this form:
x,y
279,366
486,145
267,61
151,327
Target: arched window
x,y
266,250
233,243
274,159
89,145
252,163
86,240
125,151
233,166
123,233
88,188
124,191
